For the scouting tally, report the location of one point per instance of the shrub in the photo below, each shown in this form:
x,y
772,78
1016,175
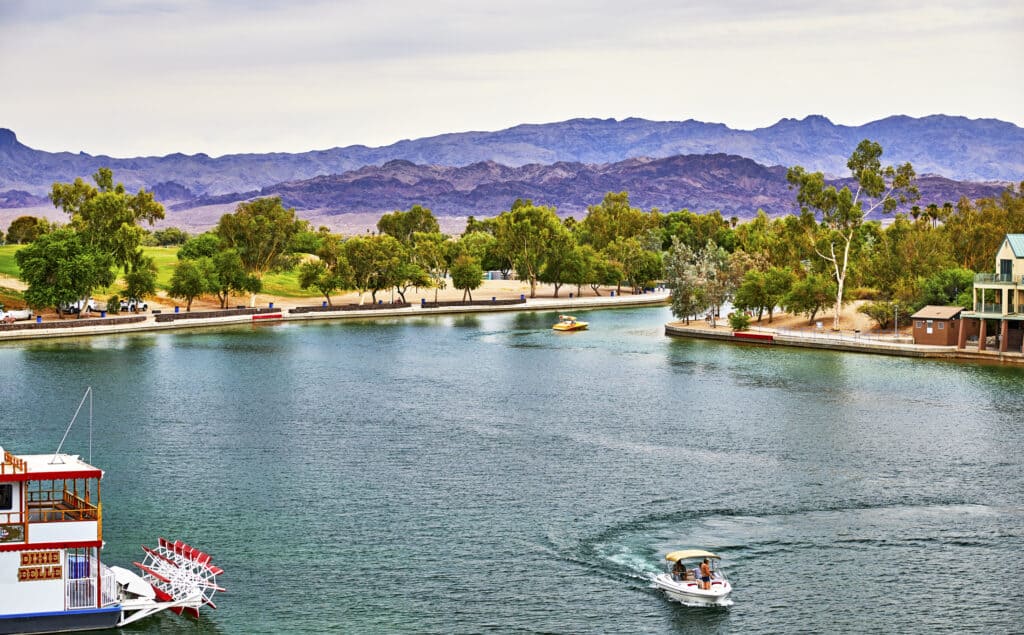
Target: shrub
x,y
739,321
114,304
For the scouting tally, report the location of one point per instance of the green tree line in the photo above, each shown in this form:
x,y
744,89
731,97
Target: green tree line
x,y
838,248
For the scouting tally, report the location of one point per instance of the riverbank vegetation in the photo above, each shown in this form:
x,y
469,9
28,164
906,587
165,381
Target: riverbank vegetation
x,y
867,240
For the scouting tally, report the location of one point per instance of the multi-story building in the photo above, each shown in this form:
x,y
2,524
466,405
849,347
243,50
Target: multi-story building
x,y
999,301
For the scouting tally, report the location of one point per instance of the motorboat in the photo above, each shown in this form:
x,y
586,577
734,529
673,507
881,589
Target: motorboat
x,y
569,323
683,581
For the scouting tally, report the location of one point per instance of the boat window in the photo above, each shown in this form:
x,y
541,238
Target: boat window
x,y
6,496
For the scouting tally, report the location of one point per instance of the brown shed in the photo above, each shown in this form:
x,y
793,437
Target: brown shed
x,y
937,325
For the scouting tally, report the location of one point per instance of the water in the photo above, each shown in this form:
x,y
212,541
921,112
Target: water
x,y
485,474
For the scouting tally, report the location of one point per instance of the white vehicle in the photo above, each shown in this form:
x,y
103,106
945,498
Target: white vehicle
x,y
15,314
687,584
80,306
133,304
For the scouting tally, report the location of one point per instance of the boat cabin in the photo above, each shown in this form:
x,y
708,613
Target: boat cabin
x,y
51,533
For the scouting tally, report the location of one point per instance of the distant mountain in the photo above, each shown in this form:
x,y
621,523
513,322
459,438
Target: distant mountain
x,y
734,185
953,147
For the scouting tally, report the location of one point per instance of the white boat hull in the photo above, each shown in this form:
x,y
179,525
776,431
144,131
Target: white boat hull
x,y
690,591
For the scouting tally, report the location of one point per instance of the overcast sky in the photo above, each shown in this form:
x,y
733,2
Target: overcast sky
x,y
151,77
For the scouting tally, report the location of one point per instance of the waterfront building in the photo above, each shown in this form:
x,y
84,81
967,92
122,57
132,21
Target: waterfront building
x,y
937,325
997,301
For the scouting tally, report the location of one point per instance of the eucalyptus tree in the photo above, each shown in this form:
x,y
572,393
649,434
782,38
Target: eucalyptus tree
x,y
191,279
814,293
329,271
430,251
842,211
715,277
524,234
261,231
404,225
681,279
374,261
108,216
60,268
25,229
467,275
615,218
560,260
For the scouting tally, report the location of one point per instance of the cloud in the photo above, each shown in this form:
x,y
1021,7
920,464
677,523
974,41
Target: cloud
x,y
241,75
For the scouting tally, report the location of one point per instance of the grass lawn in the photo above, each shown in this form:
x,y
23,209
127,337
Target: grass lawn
x,y
166,258
7,265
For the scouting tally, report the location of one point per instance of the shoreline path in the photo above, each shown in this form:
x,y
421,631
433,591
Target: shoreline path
x,y
283,314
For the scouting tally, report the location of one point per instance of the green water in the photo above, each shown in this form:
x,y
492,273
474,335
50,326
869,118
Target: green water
x,y
486,474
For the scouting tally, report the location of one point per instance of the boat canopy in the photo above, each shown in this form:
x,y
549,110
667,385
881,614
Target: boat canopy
x,y
689,554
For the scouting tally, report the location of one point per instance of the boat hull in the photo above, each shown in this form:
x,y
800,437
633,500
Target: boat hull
x,y
689,592
579,326
62,622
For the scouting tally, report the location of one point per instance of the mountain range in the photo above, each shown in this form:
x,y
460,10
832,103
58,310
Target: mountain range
x,y
569,164
734,185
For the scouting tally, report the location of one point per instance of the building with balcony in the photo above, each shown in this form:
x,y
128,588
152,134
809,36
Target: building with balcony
x,y
998,317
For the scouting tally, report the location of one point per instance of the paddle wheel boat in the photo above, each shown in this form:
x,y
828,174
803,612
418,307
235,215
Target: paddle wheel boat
x,y
569,323
684,583
52,578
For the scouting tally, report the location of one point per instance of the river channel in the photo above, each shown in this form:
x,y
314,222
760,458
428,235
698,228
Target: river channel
x,y
483,473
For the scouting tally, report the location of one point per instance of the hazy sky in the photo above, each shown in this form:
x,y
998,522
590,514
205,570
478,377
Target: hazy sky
x,y
143,77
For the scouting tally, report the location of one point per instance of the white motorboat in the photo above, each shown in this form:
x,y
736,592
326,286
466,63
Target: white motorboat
x,y
684,581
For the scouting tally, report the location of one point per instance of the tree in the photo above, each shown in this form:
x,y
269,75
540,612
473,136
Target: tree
x,y
25,229
316,274
467,275
680,276
884,313
947,287
404,225
523,234
810,295
205,244
430,253
613,219
227,275
410,274
374,261
261,231
842,211
140,281
107,216
559,259
713,275
752,294
60,268
170,236
579,267
190,280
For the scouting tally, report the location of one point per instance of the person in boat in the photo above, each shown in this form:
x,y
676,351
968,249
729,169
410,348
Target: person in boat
x,y
705,575
679,571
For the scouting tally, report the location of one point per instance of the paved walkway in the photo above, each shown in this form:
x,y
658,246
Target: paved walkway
x,y
902,346
150,323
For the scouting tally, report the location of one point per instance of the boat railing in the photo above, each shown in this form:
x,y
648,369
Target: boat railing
x,y
108,587
80,593
12,464
59,505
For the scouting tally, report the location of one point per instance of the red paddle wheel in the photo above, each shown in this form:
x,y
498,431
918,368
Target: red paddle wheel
x,y
181,574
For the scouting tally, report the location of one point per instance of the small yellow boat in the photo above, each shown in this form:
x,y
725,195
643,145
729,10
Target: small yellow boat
x,y
569,323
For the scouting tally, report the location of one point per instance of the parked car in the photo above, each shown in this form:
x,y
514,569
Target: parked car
x,y
80,306
133,305
14,314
